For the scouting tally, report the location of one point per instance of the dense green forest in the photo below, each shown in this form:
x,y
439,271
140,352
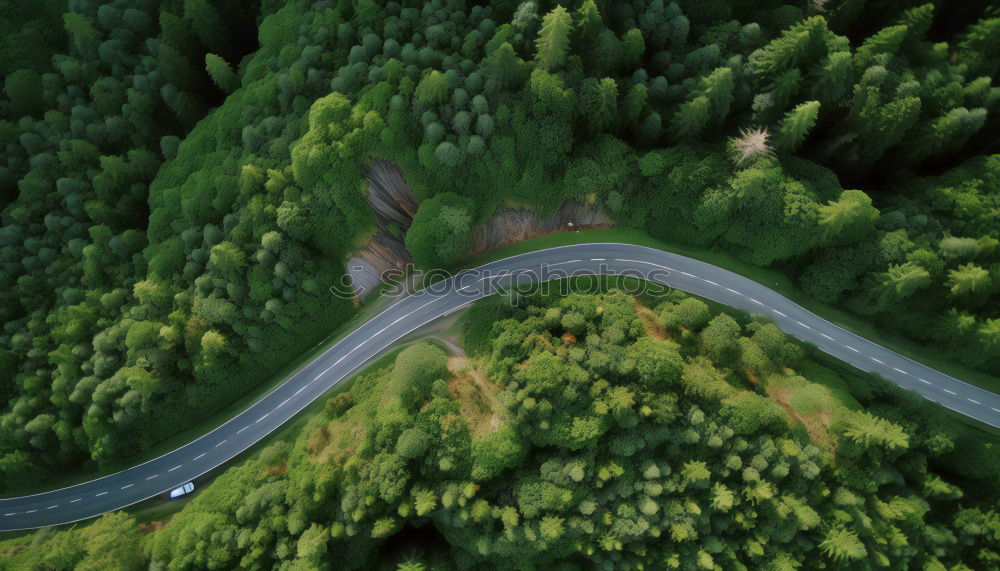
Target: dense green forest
x,y
591,430
180,180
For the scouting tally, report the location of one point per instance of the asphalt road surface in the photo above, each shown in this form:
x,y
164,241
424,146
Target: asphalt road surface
x,y
173,469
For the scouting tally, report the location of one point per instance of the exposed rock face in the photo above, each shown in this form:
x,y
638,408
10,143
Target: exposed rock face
x,y
508,224
394,205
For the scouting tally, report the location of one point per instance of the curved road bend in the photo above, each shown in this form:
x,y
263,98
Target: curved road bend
x,y
161,474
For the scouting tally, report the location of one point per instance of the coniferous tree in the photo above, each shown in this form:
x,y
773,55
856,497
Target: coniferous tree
x,y
796,125
552,44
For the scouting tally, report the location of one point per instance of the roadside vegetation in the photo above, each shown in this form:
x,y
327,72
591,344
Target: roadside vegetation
x,y
587,430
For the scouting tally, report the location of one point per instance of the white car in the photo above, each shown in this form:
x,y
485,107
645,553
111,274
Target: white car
x,y
182,491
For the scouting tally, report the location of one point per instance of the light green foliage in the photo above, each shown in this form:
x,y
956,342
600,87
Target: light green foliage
x,y
432,89
221,73
849,219
552,43
440,231
796,125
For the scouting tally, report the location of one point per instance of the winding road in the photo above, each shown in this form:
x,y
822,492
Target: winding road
x,y
161,474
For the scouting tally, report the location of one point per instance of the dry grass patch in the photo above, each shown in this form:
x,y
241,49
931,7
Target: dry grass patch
x,y
816,424
336,440
477,397
651,323
277,469
814,401
149,527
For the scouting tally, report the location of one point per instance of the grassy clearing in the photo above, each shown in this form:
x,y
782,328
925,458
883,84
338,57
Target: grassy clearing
x,y
477,397
816,398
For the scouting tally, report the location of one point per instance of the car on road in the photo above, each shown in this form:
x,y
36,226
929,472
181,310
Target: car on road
x,y
182,491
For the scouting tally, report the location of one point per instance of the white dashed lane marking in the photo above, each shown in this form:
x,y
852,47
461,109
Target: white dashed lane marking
x,y
879,361
825,336
100,494
30,511
52,507
199,456
755,301
153,476
803,325
174,468
924,381
973,401
898,370
127,486
949,392
244,428
779,313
